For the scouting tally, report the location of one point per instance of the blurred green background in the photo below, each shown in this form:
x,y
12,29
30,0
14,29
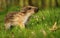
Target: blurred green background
x,y
4,4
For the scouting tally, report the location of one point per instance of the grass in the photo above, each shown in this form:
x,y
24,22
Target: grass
x,y
40,25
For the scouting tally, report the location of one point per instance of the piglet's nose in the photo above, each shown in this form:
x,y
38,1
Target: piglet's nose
x,y
36,10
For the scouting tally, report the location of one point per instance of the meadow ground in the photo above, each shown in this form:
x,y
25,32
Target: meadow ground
x,y
44,24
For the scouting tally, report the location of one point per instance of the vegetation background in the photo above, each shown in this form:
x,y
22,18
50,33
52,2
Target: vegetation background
x,y
44,24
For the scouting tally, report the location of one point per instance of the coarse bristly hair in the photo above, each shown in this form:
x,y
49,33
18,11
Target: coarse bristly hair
x,y
19,18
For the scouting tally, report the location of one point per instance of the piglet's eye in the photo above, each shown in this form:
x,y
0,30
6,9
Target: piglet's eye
x,y
29,8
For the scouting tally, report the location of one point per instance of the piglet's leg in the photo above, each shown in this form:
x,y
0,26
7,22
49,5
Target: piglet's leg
x,y
22,26
7,26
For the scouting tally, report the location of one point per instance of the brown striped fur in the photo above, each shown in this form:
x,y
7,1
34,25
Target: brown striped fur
x,y
19,18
